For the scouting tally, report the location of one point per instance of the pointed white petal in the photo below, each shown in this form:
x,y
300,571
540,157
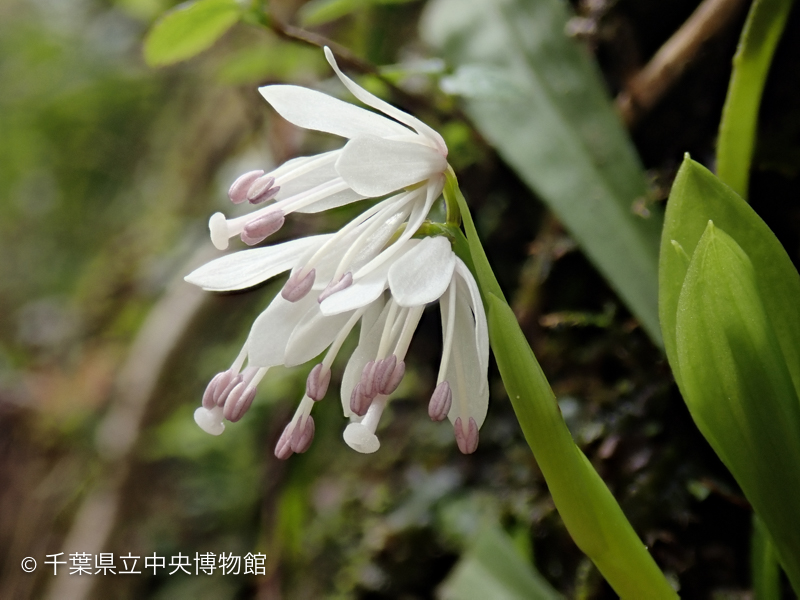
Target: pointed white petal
x,y
375,166
247,268
369,340
366,290
465,373
385,107
422,274
314,110
312,335
468,288
266,344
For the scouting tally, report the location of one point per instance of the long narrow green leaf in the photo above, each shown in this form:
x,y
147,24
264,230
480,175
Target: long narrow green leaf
x,y
591,514
189,29
492,568
539,100
764,564
737,130
698,196
737,387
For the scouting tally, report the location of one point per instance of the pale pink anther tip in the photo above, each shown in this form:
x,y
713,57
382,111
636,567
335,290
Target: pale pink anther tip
x,y
317,382
296,288
283,449
467,440
302,436
344,282
239,188
260,228
441,401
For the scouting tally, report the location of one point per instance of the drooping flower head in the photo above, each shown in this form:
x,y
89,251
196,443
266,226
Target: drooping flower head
x,y
372,271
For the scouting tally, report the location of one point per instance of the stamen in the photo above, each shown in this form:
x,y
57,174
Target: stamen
x,y
262,189
359,401
262,227
345,281
296,287
441,401
283,449
210,420
307,166
389,375
368,379
334,348
239,401
238,190
219,381
317,382
303,435
448,334
467,440
223,392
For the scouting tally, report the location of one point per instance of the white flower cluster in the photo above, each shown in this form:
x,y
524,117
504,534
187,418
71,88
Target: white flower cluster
x,y
372,271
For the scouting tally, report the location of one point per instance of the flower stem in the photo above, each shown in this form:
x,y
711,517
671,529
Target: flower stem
x,y
592,516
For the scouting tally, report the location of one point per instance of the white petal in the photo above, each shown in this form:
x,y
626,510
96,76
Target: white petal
x,y
464,370
314,110
362,292
312,335
385,107
375,166
247,268
422,274
266,344
469,288
368,342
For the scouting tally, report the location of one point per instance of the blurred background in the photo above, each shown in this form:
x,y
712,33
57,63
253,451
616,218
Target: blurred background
x,y
109,170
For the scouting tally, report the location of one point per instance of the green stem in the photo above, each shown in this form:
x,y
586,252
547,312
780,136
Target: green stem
x,y
764,564
737,129
592,516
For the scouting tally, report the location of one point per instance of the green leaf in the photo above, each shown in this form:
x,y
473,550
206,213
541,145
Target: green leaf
x,y
764,564
492,568
737,130
589,511
697,197
537,97
738,388
188,29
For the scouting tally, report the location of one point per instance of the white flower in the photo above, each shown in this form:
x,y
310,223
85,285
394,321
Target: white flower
x,y
372,271
383,154
291,333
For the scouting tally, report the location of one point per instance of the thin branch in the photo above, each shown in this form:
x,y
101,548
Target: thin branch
x,y
649,85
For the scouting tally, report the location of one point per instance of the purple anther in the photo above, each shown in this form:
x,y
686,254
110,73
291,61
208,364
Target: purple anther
x,y
296,288
222,392
467,440
238,190
303,436
441,401
262,189
359,401
368,379
317,382
283,449
209,396
345,281
388,375
239,401
260,228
